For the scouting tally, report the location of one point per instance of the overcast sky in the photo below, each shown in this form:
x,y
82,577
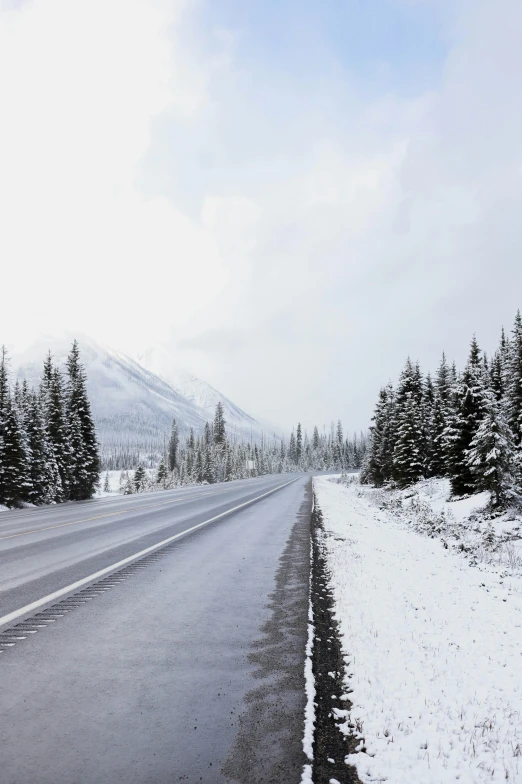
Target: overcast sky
x,y
291,195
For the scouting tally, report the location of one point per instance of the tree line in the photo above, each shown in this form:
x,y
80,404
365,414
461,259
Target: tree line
x,y
48,446
465,425
212,457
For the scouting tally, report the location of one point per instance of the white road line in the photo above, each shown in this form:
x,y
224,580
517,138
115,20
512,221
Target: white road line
x,y
29,608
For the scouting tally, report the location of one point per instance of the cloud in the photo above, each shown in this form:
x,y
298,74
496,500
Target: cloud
x,y
294,232
80,84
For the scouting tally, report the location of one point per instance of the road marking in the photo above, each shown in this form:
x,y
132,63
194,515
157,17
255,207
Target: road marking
x,y
98,517
10,617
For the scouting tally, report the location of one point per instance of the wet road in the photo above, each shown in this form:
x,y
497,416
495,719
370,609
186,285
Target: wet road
x,y
186,666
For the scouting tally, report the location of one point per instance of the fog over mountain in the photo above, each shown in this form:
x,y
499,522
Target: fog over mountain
x,y
133,401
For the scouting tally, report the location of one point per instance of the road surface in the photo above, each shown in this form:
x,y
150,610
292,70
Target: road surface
x,y
185,665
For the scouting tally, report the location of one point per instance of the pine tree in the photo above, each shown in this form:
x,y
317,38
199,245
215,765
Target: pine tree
x,y
207,434
373,472
315,439
292,450
428,414
490,455
220,435
85,462
106,484
173,445
140,477
161,476
442,414
198,466
467,416
298,444
514,393
43,470
408,454
208,465
14,480
58,430
229,465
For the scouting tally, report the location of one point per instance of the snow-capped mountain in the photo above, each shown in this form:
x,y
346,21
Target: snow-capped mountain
x,y
203,395
133,405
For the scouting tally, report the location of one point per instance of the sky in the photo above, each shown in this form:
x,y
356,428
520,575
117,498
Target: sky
x,y
291,196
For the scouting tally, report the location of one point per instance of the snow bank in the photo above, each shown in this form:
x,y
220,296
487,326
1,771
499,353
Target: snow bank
x,y
433,649
462,525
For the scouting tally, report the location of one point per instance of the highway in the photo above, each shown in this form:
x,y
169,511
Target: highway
x,y
122,661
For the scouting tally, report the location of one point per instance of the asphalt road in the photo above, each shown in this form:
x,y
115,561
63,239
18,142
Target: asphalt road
x,y
186,666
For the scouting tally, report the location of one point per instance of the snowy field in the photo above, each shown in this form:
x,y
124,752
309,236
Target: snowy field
x,y
432,637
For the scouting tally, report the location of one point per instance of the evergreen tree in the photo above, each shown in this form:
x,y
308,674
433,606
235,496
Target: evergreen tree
x,y
514,393
173,445
490,454
427,414
298,444
14,480
292,450
43,470
373,471
85,462
207,434
58,431
220,435
229,465
408,455
161,476
442,414
140,477
467,415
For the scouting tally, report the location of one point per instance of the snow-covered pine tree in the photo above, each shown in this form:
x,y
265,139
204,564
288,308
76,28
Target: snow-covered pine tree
x,y
292,451
85,462
468,411
14,469
514,394
43,471
408,454
229,464
161,475
490,454
442,411
198,468
389,435
140,477
220,435
207,433
58,430
173,445
373,472
427,414
298,444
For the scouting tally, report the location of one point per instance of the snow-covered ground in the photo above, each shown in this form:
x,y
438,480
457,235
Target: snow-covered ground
x,y
432,636
115,481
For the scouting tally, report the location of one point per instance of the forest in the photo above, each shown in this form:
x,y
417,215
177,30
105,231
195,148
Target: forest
x,y
213,457
48,445
463,424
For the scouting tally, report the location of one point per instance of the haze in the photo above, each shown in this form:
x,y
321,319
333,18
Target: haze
x,y
290,196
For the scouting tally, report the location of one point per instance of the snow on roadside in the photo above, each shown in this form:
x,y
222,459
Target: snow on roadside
x,y
462,524
433,649
309,723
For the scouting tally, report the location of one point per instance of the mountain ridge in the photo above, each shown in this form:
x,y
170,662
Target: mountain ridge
x,y
132,405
